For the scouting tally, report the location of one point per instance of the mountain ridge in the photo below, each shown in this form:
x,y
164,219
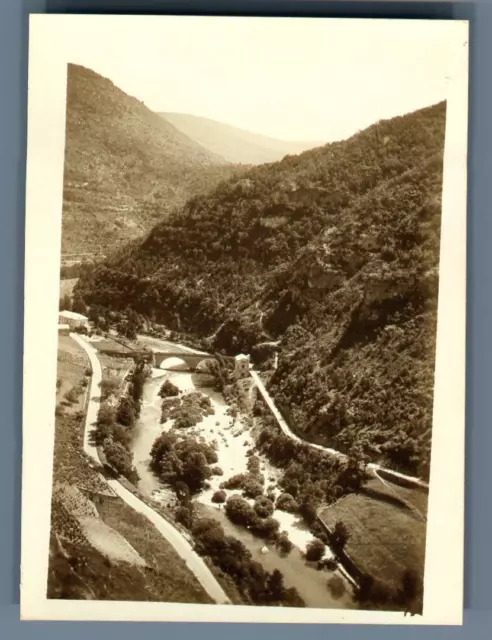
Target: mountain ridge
x,y
124,165
335,253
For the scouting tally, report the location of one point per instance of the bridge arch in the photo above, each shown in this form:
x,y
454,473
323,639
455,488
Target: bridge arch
x,y
174,363
191,360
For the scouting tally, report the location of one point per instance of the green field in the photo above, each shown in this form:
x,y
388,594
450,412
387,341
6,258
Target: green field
x,y
387,529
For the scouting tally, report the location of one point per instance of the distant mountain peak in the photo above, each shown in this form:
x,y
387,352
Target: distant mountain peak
x,y
234,143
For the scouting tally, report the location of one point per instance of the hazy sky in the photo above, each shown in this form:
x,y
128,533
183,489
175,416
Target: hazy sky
x,y
298,79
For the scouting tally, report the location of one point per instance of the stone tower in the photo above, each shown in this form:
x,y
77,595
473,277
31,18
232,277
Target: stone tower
x,y
241,368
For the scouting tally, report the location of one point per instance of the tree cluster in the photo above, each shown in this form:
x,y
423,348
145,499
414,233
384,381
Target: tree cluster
x,y
184,460
112,431
187,410
256,585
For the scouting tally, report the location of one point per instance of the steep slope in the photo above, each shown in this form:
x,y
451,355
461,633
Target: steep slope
x,y
233,144
125,167
334,252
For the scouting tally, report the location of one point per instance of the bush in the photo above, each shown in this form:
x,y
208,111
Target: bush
x,y
184,515
283,544
168,389
187,418
120,434
252,488
239,511
336,587
263,507
235,482
169,406
309,512
267,528
340,536
219,497
286,502
106,414
109,387
254,465
126,412
217,471
120,459
71,396
318,531
315,550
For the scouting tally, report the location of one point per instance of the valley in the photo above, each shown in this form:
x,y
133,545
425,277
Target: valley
x,y
303,482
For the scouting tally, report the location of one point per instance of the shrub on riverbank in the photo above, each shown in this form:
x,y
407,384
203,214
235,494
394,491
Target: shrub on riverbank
x,y
217,471
256,585
168,407
252,488
315,550
219,497
239,511
336,587
109,387
250,484
234,482
253,465
186,411
126,414
258,518
263,507
114,440
113,424
286,502
120,458
267,528
283,544
168,389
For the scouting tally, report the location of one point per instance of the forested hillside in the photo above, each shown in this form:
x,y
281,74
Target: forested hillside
x,y
233,144
125,166
334,253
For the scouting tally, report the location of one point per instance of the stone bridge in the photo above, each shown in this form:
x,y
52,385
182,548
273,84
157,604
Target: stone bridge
x,y
192,360
155,358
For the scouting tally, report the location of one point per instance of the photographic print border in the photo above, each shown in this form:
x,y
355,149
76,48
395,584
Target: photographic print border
x,y
444,558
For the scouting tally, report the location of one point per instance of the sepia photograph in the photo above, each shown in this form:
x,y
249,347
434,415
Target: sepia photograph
x,y
245,282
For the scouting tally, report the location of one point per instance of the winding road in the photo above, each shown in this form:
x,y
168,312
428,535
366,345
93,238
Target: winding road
x,y
372,466
184,549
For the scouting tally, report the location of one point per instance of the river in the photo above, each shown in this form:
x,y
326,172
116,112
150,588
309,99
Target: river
x,y
232,439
